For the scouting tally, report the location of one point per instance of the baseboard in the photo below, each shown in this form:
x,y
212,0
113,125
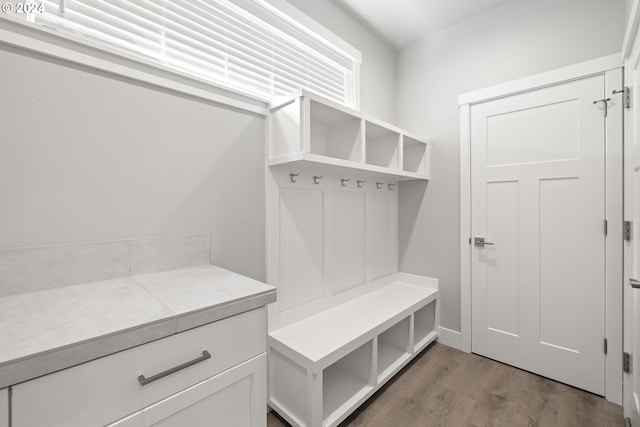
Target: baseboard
x,y
449,337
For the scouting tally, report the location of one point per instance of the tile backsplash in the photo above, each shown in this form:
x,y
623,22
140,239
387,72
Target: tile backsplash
x,y
169,253
46,267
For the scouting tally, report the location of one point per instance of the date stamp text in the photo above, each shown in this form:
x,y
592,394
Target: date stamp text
x,y
23,8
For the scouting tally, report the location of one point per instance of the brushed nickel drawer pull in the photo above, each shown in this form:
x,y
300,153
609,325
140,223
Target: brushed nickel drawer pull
x,y
145,381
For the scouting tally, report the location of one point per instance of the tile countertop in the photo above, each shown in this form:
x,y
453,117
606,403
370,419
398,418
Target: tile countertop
x,y
44,331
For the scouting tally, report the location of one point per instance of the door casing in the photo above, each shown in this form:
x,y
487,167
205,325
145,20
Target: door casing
x,y
611,67
631,55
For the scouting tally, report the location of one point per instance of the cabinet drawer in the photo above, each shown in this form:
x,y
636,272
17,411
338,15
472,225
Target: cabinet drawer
x,y
234,398
107,389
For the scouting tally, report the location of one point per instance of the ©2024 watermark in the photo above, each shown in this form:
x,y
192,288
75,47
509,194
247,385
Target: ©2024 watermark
x,y
22,8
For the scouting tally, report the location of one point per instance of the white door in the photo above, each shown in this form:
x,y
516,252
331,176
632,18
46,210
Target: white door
x,y
538,200
632,247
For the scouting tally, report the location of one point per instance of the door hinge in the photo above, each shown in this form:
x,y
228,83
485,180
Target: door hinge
x,y
606,345
606,227
626,362
626,230
626,96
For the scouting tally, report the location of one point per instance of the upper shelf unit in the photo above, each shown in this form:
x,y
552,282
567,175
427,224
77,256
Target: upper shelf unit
x,y
307,129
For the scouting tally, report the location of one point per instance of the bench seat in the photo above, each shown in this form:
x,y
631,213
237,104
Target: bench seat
x,y
324,366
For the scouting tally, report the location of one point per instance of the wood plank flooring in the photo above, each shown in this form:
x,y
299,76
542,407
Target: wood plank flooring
x,y
446,387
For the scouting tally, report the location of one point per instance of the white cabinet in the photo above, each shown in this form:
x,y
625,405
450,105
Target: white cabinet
x,y
107,389
234,398
4,407
305,129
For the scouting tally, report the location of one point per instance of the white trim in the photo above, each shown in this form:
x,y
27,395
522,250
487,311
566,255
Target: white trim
x,y
611,67
631,51
631,30
449,337
614,243
24,35
549,78
327,36
356,86
465,228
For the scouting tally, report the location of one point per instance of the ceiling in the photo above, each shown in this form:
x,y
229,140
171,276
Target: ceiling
x,y
403,21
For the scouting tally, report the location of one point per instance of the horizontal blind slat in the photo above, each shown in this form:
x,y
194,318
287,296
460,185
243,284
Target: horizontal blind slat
x,y
213,40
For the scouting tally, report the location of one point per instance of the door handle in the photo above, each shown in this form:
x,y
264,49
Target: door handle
x,y
635,284
144,381
480,242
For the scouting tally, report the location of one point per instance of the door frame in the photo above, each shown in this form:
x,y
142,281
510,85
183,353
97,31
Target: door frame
x,y
611,67
631,57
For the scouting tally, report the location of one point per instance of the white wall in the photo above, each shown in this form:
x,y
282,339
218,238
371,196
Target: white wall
x,y
518,39
85,156
377,74
89,157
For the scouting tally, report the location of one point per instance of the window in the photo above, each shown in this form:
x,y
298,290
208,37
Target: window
x,y
244,45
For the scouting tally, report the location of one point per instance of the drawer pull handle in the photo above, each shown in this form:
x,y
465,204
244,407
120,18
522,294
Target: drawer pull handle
x,y
144,381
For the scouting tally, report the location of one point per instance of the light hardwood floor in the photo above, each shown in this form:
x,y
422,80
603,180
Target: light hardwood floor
x,y
446,387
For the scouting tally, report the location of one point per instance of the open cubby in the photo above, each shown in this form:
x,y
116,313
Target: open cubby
x,y
335,133
393,348
424,325
307,131
345,382
382,146
414,155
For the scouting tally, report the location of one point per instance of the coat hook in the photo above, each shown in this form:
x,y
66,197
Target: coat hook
x,y
292,176
360,183
344,181
316,179
391,186
379,185
606,104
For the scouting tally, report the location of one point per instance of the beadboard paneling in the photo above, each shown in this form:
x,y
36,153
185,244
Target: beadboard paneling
x,y
380,238
345,249
301,247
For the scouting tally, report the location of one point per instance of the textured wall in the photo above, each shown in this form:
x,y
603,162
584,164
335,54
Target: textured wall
x,y
88,157
518,39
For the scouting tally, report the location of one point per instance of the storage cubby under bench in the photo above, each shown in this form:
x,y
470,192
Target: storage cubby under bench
x,y
323,367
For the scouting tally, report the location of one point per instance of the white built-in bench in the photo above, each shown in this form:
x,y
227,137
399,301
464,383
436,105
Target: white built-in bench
x,y
323,367
345,321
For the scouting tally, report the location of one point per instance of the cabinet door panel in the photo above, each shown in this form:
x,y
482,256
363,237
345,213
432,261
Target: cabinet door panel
x,y
234,398
4,407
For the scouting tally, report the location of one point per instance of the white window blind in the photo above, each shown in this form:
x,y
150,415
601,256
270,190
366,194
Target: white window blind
x,y
240,44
